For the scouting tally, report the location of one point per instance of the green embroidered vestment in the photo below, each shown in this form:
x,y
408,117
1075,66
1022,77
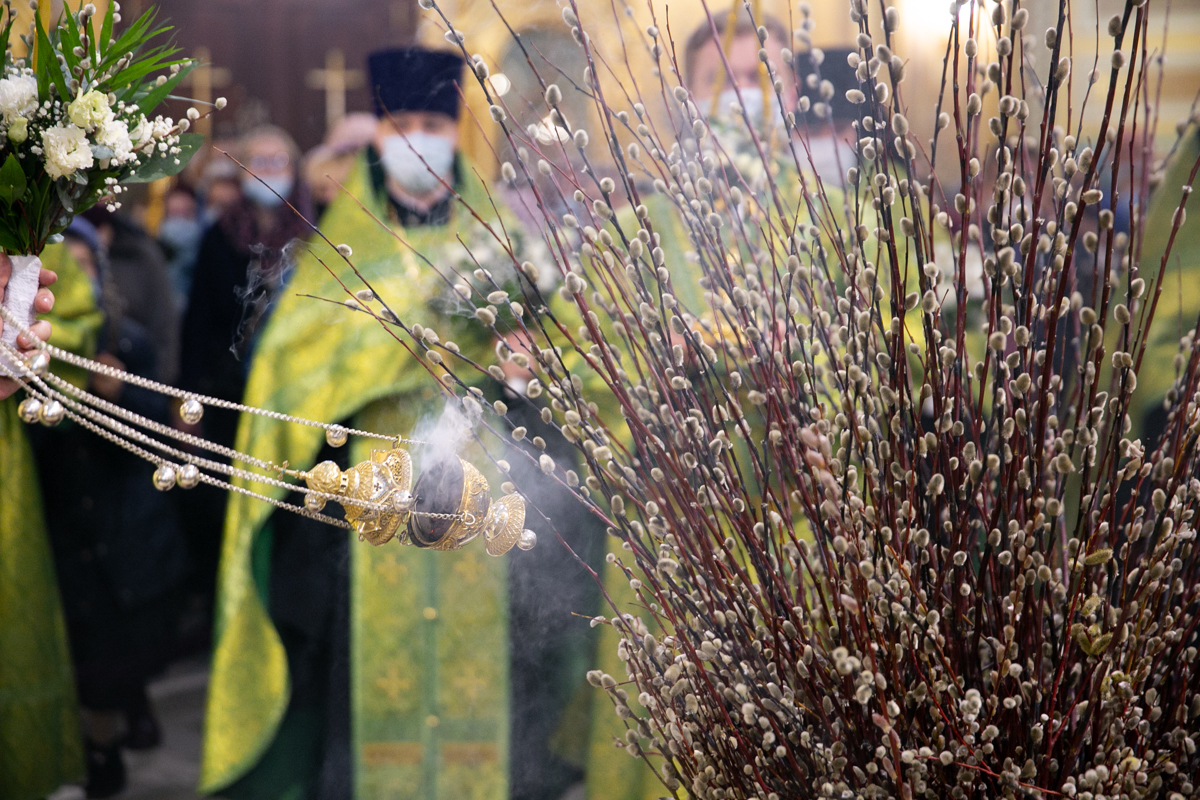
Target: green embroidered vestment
x,y
429,659
40,748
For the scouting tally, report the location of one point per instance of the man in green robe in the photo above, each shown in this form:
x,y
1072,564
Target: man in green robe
x,y
40,747
342,669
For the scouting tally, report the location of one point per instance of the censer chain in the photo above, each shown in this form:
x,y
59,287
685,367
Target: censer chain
x,y
203,477
171,391
90,411
119,429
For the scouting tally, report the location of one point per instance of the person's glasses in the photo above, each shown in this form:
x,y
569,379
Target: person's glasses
x,y
276,163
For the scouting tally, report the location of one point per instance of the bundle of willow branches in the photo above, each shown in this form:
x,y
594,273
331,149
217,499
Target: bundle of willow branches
x,y
890,528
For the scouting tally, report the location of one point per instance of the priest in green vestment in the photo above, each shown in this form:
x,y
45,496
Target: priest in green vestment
x,y
40,747
342,669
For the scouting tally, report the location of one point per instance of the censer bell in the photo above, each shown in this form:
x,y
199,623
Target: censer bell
x,y
449,506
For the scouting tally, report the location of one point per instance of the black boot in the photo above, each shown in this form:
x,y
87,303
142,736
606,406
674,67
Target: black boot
x,y
144,731
105,770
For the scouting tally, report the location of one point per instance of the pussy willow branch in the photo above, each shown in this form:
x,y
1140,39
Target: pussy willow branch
x,y
869,556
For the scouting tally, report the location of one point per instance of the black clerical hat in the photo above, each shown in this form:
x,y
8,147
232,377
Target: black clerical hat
x,y
415,79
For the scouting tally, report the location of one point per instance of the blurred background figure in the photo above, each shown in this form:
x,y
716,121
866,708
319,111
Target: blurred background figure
x,y
828,124
118,549
239,267
179,234
240,263
710,83
138,270
730,85
820,76
328,164
220,183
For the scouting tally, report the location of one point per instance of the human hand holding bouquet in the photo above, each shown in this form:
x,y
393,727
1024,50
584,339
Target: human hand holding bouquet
x,y
42,304
75,128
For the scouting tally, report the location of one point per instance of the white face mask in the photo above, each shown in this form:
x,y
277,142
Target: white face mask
x,y
402,159
831,156
752,101
267,192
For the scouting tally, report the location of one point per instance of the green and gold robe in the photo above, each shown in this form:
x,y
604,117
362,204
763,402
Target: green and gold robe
x,y
1178,305
429,659
40,746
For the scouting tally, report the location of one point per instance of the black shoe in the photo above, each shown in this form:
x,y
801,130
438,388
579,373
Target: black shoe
x,y
144,731
105,770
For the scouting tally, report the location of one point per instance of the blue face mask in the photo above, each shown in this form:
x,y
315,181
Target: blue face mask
x,y
180,233
262,195
402,158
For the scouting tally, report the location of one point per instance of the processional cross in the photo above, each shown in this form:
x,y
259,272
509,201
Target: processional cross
x,y
335,80
203,79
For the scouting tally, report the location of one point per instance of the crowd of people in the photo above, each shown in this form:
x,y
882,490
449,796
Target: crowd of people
x,y
208,298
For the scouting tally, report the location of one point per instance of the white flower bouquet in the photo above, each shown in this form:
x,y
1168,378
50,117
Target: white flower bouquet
x,y
76,126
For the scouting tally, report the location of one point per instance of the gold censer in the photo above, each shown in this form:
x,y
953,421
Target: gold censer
x,y
450,505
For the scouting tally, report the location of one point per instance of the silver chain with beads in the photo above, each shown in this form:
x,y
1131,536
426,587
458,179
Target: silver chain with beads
x,y
101,418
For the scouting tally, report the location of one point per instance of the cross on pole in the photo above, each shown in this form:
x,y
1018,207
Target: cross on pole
x,y
203,79
335,80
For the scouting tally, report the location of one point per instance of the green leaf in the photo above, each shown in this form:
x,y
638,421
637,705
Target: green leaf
x,y
106,28
40,59
4,42
132,40
162,165
10,241
48,70
141,68
68,36
64,196
12,181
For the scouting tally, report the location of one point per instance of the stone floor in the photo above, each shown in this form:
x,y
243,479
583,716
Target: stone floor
x,y
170,772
